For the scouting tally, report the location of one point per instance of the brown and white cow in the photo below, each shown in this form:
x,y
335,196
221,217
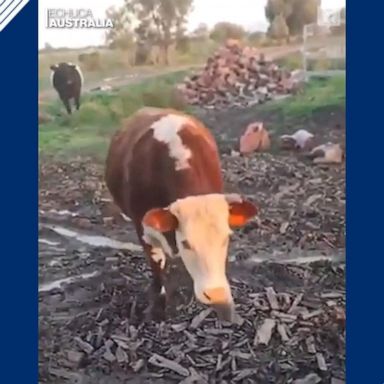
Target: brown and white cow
x,y
163,171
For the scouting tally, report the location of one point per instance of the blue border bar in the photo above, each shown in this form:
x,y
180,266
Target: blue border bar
x,y
19,197
365,193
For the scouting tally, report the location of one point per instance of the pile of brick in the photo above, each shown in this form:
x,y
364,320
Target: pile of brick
x,y
238,76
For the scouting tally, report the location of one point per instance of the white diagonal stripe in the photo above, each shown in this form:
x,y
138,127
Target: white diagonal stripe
x,y
9,9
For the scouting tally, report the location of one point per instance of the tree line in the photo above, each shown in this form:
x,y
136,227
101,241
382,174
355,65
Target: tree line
x,y
161,23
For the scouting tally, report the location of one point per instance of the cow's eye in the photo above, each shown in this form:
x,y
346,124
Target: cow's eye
x,y
186,245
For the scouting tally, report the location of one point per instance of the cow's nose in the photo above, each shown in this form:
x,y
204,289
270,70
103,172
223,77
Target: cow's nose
x,y
216,295
222,302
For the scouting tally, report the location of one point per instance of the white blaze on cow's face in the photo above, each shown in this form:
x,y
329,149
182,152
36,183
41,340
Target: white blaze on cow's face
x,y
202,229
202,238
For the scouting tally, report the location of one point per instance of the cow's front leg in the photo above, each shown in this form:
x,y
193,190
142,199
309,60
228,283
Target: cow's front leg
x,y
66,103
158,294
77,101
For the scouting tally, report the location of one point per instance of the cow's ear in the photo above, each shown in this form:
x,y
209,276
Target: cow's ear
x,y
161,220
54,67
240,210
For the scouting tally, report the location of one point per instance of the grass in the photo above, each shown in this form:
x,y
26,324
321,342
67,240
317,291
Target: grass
x,y
295,61
88,130
319,93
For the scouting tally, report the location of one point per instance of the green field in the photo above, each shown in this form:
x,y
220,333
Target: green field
x,y
318,93
87,132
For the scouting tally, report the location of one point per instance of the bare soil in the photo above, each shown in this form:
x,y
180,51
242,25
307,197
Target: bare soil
x,y
287,271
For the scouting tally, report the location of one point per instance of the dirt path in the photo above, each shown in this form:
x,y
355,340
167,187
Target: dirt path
x,y
123,80
117,81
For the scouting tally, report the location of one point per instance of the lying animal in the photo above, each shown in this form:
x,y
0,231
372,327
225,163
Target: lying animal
x,y
103,88
255,138
327,154
300,140
163,171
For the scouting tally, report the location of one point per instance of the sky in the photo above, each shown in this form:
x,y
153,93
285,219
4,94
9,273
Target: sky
x,y
249,13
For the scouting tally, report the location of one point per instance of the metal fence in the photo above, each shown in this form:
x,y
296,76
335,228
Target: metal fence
x,y
324,44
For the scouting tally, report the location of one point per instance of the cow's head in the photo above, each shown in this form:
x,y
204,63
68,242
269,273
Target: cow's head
x,y
202,226
55,67
63,72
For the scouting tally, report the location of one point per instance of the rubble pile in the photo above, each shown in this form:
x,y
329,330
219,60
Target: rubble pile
x,y
238,76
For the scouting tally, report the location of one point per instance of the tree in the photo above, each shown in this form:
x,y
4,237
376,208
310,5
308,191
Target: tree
x,y
256,37
121,35
48,47
278,7
225,30
303,12
182,40
159,20
201,32
342,14
279,28
296,13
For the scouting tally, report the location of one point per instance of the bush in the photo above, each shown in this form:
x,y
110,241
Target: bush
x,y
91,61
224,30
164,98
256,38
91,112
293,61
183,44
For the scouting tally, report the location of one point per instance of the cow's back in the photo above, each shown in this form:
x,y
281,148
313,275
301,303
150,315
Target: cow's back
x,y
120,153
141,173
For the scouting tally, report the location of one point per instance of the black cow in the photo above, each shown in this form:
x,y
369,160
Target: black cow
x,y
67,79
